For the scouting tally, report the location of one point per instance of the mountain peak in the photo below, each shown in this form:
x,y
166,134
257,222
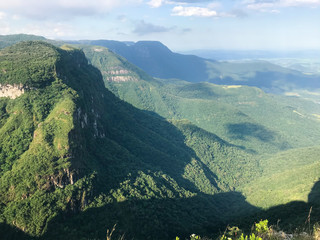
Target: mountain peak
x,y
152,45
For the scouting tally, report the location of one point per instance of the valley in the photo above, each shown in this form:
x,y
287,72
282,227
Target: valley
x,y
95,140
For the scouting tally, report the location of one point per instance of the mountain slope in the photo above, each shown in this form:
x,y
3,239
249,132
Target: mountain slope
x,y
244,116
8,40
75,159
272,128
158,61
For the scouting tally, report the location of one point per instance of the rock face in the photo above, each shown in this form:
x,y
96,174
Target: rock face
x,y
119,75
11,91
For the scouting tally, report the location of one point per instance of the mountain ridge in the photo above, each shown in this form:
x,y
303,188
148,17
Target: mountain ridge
x,y
81,149
158,61
76,159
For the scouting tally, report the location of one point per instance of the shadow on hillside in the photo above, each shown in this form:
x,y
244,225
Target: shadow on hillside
x,y
119,144
244,130
206,215
153,218
8,232
167,218
289,217
138,142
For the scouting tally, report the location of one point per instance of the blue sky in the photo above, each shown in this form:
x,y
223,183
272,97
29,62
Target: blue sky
x,y
179,24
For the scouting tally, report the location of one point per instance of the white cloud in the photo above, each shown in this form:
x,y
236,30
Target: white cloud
x,y
62,8
159,3
155,3
193,11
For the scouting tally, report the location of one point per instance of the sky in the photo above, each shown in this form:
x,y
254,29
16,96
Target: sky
x,y
180,24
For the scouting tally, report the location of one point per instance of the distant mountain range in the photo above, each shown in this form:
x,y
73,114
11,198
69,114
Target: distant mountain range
x,y
158,61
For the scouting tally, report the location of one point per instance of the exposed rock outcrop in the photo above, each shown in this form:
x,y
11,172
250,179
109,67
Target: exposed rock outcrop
x,y
119,75
12,91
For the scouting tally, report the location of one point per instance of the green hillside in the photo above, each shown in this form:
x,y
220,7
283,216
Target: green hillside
x,y
287,176
159,61
244,116
8,40
75,159
84,146
280,133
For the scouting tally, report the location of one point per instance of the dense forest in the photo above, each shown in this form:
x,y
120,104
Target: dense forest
x,y
95,141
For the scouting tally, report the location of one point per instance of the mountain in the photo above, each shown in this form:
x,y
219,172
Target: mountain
x,y
75,159
8,40
158,61
280,133
88,140
244,116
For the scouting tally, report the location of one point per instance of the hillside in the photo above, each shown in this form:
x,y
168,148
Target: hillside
x,y
75,159
159,61
243,116
281,133
183,158
8,40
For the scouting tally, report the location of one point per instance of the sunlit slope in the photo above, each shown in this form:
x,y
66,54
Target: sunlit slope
x,y
244,116
287,176
281,132
74,153
76,159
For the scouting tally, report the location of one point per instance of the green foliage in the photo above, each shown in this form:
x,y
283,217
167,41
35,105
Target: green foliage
x,y
261,231
262,227
83,153
254,237
194,237
32,69
233,132
243,116
75,158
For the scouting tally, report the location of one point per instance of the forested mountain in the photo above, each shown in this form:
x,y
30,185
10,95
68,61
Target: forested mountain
x,y
76,159
158,61
8,40
88,140
281,133
245,116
